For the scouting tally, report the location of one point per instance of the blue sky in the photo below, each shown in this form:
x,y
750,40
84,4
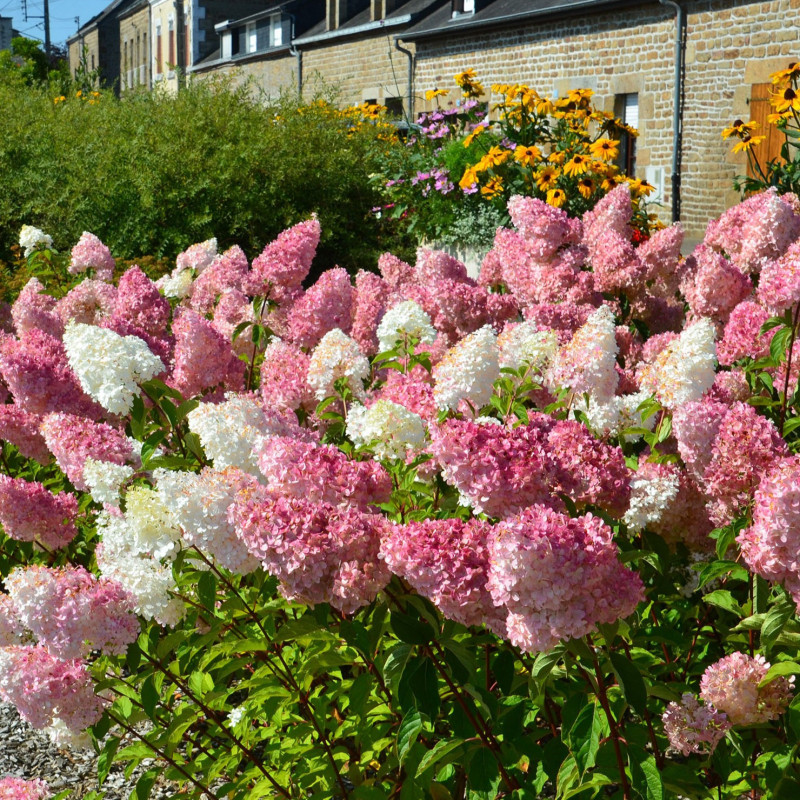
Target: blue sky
x,y
62,16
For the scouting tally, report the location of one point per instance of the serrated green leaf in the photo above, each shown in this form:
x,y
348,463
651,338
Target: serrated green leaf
x,y
407,733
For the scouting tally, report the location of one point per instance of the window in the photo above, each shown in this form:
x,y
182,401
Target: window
x,y
252,38
171,56
159,54
463,7
394,107
187,43
277,33
770,148
626,108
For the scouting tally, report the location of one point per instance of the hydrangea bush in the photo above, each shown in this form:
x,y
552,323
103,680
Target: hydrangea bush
x,y
413,535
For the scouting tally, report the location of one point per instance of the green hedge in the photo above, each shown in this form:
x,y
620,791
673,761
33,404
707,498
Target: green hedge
x,y
152,173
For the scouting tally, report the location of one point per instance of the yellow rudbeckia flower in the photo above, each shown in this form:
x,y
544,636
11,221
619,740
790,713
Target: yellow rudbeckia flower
x,y
556,198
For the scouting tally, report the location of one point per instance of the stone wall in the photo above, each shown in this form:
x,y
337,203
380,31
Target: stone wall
x,y
134,35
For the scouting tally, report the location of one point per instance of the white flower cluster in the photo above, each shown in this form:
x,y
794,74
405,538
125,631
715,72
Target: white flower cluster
x,y
34,239
199,504
229,431
389,429
145,577
197,257
525,344
337,356
65,739
104,480
651,495
684,370
154,530
404,320
109,366
177,285
468,370
587,363
614,416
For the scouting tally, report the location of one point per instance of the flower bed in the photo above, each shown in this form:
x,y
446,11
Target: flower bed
x,y
413,535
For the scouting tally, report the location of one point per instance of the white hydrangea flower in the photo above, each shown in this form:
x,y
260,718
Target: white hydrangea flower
x,y
526,344
631,417
614,416
484,420
154,531
468,370
230,431
235,715
391,430
199,504
177,285
405,319
146,578
65,739
587,363
109,366
34,239
337,356
684,370
104,480
651,495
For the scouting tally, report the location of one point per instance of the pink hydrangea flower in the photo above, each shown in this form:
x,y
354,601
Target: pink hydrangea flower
x,y
140,304
686,518
731,685
91,253
742,337
89,302
44,688
321,473
615,263
491,273
435,265
558,577
447,561
17,789
197,257
544,228
413,390
320,553
394,271
612,213
233,308
227,271
369,304
326,305
84,613
694,728
37,372
284,377
35,310
12,631
73,439
29,512
695,426
286,261
661,256
564,318
713,286
771,544
21,429
779,284
204,358
746,445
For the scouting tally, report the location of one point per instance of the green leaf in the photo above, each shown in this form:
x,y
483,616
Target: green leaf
x,y
717,568
150,696
145,784
407,733
106,758
423,682
781,668
775,621
645,775
445,750
207,591
722,598
630,679
412,630
482,769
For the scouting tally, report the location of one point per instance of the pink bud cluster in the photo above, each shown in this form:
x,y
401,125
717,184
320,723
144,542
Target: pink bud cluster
x,y
17,789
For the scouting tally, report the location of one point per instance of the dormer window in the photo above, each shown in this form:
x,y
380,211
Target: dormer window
x,y
461,7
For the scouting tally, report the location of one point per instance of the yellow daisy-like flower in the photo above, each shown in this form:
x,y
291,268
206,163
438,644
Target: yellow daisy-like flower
x,y
496,156
469,178
610,181
474,135
557,157
577,165
545,107
787,100
640,188
432,93
747,143
578,96
774,119
586,187
467,76
546,178
739,128
605,149
556,198
467,80
791,73
527,156
493,187
59,99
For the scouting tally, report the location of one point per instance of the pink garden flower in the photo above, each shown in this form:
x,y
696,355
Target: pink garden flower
x,y
22,430
326,305
284,377
228,271
17,789
91,253
35,310
694,728
140,304
29,512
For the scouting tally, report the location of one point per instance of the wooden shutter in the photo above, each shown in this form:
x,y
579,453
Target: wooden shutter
x,y
760,109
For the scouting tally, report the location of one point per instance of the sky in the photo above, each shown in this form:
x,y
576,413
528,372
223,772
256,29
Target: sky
x,y
62,16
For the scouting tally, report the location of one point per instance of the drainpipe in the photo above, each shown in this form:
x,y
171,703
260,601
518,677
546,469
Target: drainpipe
x,y
677,109
398,46
298,54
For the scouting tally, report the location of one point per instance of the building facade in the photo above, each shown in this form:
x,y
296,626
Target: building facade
x,y
678,72
134,33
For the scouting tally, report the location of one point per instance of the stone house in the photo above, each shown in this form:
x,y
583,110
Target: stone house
x,y
134,34
677,71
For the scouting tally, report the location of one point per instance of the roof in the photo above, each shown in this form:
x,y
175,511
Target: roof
x,y
502,12
115,5
269,9
405,14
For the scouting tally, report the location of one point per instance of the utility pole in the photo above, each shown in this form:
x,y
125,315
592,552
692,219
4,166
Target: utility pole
x,y
47,27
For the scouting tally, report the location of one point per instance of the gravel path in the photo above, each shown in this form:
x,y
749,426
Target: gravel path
x,y
27,753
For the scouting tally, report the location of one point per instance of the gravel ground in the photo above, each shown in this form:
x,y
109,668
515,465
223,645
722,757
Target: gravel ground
x,y
27,753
